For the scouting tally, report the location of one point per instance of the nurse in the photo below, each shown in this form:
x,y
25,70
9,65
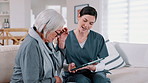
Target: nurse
x,y
84,45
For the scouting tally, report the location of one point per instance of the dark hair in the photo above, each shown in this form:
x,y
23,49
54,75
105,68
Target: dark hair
x,y
36,29
88,10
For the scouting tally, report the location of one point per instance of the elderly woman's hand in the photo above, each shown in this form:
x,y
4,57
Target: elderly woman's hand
x,y
58,79
62,38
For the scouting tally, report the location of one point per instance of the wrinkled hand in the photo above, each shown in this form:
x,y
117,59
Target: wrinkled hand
x,y
61,39
71,66
58,79
64,34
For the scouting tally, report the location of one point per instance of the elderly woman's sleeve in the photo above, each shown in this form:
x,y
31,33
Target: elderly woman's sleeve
x,y
63,51
32,66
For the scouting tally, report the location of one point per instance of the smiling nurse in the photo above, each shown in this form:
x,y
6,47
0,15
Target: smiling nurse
x,y
84,45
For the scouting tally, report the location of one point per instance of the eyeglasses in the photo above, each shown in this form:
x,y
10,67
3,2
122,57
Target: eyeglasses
x,y
59,32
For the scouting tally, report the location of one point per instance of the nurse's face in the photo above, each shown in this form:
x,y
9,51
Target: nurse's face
x,y
85,23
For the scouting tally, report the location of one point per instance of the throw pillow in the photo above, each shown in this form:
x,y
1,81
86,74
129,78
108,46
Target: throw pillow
x,y
114,60
136,54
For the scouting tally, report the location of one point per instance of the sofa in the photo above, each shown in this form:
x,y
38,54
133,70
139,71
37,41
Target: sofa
x,y
134,69
7,58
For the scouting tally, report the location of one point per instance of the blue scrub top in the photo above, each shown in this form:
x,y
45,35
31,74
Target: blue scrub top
x,y
93,49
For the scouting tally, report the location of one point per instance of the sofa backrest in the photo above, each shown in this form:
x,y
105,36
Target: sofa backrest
x,y
134,54
7,59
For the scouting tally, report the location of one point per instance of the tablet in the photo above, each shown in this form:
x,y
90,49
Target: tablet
x,y
90,63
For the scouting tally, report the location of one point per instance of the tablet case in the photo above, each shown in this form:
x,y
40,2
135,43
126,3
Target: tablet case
x,y
90,63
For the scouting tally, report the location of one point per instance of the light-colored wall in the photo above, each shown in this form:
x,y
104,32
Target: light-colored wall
x,y
39,5
20,13
21,16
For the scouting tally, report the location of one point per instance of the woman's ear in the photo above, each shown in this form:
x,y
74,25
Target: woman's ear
x,y
78,17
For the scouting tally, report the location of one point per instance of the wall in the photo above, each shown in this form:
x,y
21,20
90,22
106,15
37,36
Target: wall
x,y
20,13
39,5
97,4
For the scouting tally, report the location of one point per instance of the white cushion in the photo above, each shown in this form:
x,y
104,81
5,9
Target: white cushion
x,y
7,59
129,75
137,54
114,60
8,48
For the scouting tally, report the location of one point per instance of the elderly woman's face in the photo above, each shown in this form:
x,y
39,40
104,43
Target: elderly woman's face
x,y
50,36
85,22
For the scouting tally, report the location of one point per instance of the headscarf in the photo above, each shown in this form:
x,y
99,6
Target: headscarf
x,y
51,19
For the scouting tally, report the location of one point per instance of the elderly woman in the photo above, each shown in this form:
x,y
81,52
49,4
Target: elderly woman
x,y
37,60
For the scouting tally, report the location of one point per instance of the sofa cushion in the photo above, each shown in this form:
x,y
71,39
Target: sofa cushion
x,y
129,75
114,60
134,54
7,58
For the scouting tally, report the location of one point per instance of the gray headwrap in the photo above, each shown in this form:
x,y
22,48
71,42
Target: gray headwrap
x,y
51,19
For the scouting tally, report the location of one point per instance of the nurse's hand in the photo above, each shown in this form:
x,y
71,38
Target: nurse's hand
x,y
90,67
71,66
58,79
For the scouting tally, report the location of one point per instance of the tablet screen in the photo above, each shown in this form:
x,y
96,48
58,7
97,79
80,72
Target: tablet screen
x,y
90,63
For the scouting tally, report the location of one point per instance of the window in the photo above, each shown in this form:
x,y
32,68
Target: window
x,y
128,20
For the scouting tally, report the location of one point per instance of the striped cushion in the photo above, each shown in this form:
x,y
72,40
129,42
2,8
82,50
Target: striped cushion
x,y
114,60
